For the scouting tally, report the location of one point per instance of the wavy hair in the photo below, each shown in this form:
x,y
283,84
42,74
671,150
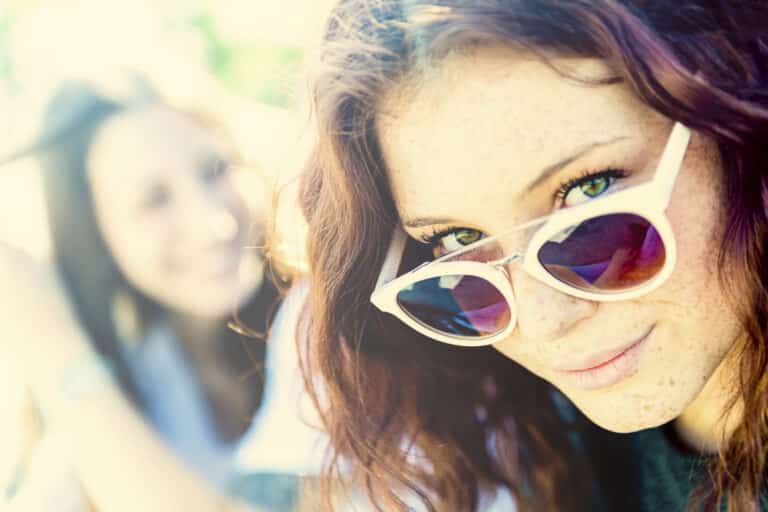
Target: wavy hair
x,y
408,415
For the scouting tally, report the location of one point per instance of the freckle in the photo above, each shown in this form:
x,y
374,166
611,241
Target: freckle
x,y
647,407
671,382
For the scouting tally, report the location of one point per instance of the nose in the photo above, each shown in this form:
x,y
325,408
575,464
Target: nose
x,y
221,224
209,219
544,313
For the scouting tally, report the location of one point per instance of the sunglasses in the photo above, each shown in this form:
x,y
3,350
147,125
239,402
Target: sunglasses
x,y
617,246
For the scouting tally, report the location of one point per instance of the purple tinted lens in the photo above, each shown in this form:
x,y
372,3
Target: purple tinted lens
x,y
609,253
457,305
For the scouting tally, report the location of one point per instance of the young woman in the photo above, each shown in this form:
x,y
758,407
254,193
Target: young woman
x,y
516,207
149,236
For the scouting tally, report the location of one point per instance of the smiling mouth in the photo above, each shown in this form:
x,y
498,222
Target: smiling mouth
x,y
606,370
214,264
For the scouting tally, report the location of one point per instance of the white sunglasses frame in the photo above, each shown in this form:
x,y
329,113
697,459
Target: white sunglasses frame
x,y
648,200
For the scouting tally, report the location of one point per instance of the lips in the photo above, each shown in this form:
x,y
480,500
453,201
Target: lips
x,y
604,368
219,265
211,262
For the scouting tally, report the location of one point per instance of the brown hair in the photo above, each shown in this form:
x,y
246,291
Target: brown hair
x,y
440,422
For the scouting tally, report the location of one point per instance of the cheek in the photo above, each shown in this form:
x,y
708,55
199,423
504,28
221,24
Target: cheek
x,y
701,322
697,215
141,250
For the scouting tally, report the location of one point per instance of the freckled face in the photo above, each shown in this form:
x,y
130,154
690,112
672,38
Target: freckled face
x,y
466,143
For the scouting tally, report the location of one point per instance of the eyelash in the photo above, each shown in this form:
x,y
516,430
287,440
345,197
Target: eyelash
x,y
436,235
565,188
560,194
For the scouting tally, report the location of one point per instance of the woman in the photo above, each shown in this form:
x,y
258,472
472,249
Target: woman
x,y
592,176
149,236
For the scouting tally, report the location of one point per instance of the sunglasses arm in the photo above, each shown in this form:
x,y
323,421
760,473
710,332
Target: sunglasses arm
x,y
392,260
671,160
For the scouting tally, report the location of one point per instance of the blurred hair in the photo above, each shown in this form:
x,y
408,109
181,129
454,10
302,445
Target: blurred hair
x,y
402,410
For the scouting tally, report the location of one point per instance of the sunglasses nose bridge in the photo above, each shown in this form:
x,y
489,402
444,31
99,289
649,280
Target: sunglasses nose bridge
x,y
503,263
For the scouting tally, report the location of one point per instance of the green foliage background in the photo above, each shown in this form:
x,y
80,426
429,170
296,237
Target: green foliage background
x,y
262,70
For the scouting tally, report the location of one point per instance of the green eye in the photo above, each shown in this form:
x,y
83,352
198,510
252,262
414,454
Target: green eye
x,y
594,187
467,236
588,187
454,240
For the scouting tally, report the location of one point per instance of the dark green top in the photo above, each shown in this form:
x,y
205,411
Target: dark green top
x,y
645,471
667,472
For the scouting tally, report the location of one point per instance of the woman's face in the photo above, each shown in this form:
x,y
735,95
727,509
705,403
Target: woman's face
x,y
169,213
463,145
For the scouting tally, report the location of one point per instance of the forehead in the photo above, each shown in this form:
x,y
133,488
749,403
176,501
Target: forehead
x,y
150,143
488,121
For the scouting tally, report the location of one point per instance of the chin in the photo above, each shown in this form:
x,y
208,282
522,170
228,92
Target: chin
x,y
622,426
223,303
628,418
213,309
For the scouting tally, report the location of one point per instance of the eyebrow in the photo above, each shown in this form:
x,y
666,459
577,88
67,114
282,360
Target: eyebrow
x,y
544,175
547,172
427,221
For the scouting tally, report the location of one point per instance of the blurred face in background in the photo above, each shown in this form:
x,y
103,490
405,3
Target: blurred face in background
x,y
170,213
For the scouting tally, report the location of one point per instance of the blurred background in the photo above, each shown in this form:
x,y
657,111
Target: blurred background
x,y
239,59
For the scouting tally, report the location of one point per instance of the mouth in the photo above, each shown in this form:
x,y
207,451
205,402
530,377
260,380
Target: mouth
x,y
605,369
214,264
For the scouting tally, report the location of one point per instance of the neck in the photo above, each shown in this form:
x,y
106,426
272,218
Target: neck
x,y
710,420
196,333
227,393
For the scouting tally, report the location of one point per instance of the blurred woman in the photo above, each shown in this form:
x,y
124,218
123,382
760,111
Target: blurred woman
x,y
149,235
